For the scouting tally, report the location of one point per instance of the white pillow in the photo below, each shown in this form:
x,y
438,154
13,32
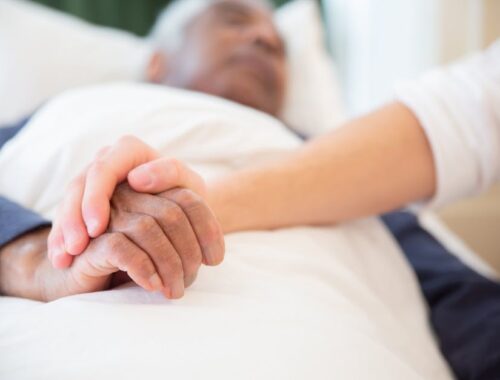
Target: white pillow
x,y
314,101
44,52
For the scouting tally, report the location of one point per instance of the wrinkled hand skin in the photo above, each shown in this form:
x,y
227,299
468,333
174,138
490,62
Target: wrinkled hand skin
x,y
176,228
158,241
26,272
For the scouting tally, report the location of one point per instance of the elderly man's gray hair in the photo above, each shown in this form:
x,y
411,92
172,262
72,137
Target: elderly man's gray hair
x,y
168,31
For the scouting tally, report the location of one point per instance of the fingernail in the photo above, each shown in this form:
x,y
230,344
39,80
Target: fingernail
x,y
155,282
72,240
143,176
92,227
167,293
61,260
211,254
177,290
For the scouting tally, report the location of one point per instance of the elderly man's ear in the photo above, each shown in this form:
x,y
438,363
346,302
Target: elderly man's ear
x,y
157,68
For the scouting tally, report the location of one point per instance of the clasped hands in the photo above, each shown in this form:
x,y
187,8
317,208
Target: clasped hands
x,y
132,214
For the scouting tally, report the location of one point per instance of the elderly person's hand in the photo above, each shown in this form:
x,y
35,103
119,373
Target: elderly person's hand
x,y
171,232
25,270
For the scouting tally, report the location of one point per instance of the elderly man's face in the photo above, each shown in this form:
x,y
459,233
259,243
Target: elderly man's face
x,y
234,51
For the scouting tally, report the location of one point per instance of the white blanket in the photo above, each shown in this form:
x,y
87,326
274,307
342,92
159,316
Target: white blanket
x,y
301,303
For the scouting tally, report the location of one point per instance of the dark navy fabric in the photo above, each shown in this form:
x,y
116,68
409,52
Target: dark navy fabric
x,y
464,306
15,220
6,133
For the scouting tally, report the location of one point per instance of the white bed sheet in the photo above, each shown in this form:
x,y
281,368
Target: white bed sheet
x,y
289,304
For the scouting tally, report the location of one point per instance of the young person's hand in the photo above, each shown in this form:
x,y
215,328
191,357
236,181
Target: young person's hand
x,y
177,209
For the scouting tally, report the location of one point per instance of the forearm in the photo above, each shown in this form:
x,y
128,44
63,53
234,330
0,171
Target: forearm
x,y
373,164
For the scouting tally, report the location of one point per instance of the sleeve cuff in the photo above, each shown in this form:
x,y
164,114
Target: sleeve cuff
x,y
455,105
453,146
16,220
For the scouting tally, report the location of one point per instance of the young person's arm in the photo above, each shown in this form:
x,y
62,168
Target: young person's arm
x,y
371,165
439,142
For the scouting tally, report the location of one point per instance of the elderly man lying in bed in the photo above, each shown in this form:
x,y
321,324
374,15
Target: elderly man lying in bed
x,y
160,226
229,49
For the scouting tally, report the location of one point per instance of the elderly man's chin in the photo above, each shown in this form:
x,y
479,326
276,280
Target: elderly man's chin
x,y
250,92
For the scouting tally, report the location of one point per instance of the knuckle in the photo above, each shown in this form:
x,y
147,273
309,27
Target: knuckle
x,y
131,142
127,140
188,198
97,167
172,216
113,242
197,211
103,151
144,224
175,162
173,266
142,265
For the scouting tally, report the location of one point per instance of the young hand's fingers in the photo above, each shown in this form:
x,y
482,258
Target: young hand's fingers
x,y
56,250
144,231
111,252
164,174
70,220
204,223
104,174
62,261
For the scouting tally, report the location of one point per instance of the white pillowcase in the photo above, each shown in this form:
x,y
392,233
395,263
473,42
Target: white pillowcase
x,y
314,102
44,52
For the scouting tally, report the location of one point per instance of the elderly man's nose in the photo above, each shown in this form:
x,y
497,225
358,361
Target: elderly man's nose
x,y
265,37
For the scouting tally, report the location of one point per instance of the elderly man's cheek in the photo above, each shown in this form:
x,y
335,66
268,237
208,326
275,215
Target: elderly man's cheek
x,y
251,92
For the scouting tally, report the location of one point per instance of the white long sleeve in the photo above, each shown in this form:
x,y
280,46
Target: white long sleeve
x,y
459,108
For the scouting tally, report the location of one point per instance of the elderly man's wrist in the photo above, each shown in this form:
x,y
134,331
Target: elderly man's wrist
x,y
20,261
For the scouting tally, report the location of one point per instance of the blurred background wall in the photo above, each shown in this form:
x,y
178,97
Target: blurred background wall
x,y
378,43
